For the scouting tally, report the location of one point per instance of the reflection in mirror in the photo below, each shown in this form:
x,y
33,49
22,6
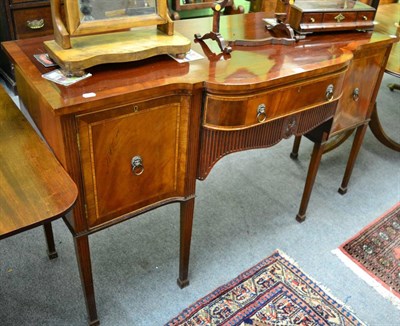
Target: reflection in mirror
x,y
103,9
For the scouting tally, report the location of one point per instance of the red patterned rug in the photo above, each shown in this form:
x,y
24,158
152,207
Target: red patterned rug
x,y
274,292
374,254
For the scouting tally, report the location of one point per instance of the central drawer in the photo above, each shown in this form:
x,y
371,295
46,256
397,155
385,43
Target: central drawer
x,y
237,112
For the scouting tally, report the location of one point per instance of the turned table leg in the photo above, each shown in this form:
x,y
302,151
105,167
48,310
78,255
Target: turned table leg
x,y
187,209
82,250
51,248
379,133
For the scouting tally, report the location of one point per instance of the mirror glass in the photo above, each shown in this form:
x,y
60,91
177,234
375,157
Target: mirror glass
x,y
105,9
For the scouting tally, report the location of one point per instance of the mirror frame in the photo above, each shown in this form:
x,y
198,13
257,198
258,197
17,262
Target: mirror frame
x,y
75,27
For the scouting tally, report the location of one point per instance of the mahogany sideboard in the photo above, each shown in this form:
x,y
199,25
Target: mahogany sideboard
x,y
138,135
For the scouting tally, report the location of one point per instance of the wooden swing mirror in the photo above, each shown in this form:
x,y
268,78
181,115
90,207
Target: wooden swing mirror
x,y
101,31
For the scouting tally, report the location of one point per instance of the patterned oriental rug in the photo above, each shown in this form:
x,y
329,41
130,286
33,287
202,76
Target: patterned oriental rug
x,y
374,254
273,292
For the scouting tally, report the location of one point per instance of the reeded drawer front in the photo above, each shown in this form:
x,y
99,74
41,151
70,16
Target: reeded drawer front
x,y
132,156
242,112
32,22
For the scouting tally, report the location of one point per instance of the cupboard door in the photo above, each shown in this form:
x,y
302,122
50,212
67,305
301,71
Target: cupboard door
x,y
133,157
358,88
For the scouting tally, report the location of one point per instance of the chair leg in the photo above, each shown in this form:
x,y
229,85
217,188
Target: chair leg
x,y
51,248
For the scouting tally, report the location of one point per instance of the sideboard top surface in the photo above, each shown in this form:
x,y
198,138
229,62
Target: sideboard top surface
x,y
246,69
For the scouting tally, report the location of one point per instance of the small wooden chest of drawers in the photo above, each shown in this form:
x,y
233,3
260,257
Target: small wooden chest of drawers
x,y
326,16
22,19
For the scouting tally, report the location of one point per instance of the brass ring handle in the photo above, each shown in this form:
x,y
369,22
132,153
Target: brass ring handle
x,y
137,165
356,94
365,17
261,114
312,19
35,24
329,92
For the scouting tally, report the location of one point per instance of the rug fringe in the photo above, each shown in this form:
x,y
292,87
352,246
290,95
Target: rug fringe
x,y
367,278
327,290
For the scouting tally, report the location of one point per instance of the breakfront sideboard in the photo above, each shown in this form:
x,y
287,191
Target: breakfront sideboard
x,y
135,136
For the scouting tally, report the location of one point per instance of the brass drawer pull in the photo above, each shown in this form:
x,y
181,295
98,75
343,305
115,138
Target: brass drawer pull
x,y
35,24
364,17
356,94
329,92
261,114
137,165
312,19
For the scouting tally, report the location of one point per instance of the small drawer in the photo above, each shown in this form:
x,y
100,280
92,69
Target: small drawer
x,y
367,16
243,112
340,17
312,18
23,1
32,22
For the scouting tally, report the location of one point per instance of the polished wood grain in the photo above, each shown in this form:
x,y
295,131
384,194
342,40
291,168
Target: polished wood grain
x,y
34,187
96,126
156,131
